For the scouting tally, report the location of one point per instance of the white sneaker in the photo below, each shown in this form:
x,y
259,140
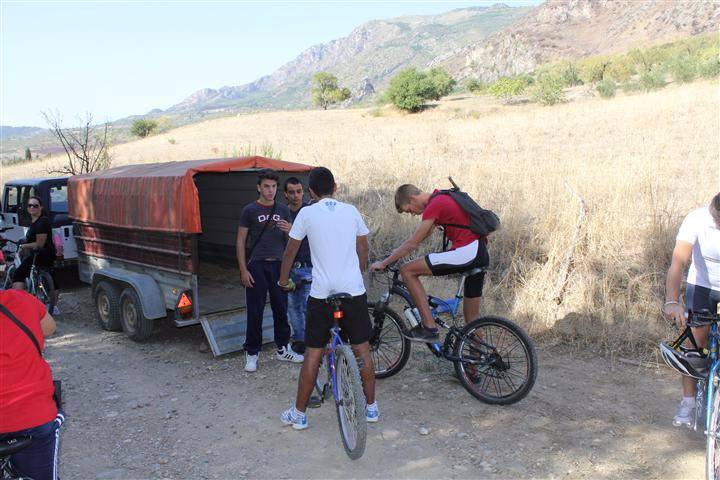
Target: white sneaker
x,y
251,362
286,354
685,415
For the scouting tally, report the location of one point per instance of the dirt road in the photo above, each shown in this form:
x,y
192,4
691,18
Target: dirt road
x,y
166,410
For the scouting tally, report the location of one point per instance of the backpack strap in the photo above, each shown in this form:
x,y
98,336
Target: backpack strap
x,y
21,326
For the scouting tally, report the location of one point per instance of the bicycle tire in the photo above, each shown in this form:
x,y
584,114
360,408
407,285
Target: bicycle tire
x,y
712,458
45,291
390,350
350,407
474,378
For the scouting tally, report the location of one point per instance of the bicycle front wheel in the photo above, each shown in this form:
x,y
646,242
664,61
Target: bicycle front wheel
x,y
712,462
496,360
7,281
45,291
390,350
350,405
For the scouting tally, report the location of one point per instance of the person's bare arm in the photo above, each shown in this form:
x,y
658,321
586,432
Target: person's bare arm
x,y
40,240
47,325
245,275
288,259
680,259
408,246
362,246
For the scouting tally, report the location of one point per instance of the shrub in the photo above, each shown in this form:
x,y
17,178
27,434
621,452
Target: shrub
x,y
143,127
592,69
474,86
409,89
28,154
619,69
606,88
710,69
566,70
171,141
647,60
652,80
683,69
548,90
442,83
507,87
631,86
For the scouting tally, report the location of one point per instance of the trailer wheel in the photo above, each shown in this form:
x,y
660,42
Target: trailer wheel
x,y
134,323
107,303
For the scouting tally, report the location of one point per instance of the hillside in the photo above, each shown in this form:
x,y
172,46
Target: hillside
x,y
370,54
579,28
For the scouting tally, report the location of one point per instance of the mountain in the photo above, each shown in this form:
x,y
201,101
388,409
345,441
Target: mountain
x,y
7,132
579,28
363,61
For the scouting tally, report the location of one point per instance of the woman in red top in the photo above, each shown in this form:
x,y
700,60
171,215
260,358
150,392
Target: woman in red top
x,y
27,406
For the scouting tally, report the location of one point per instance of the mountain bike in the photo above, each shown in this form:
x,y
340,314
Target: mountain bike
x,y
494,359
345,385
39,282
9,447
704,365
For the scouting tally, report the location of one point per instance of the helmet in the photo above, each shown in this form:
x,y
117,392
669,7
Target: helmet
x,y
687,361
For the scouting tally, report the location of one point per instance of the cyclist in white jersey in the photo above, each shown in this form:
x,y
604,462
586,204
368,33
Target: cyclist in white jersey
x,y
697,244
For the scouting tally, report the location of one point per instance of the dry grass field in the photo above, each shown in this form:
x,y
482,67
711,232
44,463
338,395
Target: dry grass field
x,y
638,162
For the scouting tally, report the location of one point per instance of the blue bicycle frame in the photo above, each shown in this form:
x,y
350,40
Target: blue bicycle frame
x,y
335,341
711,382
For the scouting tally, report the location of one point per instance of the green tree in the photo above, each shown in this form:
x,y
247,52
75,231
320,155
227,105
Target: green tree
x,y
474,86
592,69
409,89
28,154
325,90
143,127
507,87
442,82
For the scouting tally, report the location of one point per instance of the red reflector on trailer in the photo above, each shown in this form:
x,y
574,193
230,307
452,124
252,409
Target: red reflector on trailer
x,y
338,314
184,305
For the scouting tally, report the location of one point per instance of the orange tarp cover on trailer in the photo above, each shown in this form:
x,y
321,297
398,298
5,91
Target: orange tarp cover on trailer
x,y
157,196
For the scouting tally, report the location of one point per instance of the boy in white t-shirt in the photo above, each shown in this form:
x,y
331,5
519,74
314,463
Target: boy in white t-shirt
x,y
698,244
339,250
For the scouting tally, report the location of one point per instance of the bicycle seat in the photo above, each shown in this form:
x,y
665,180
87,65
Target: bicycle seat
x,y
337,296
13,445
472,272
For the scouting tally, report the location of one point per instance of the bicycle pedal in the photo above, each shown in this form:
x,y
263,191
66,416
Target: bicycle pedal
x,y
315,401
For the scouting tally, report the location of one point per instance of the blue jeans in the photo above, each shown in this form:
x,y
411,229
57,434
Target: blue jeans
x,y
39,460
297,301
266,275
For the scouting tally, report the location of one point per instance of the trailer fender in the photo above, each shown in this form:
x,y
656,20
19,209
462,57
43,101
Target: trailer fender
x,y
147,289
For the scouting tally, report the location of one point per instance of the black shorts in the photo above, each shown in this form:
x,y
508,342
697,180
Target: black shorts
x,y
698,298
355,325
473,255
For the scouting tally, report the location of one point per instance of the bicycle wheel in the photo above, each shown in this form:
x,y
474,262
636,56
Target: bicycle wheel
x,y
712,461
351,404
45,290
496,362
390,350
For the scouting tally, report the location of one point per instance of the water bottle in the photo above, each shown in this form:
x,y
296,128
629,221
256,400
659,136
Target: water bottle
x,y
410,316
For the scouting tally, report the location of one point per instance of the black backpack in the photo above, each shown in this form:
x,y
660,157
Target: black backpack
x,y
483,222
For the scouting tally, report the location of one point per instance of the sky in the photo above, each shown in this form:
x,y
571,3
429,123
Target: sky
x,y
120,58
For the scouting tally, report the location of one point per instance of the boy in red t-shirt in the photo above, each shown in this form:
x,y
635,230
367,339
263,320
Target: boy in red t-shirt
x,y
468,251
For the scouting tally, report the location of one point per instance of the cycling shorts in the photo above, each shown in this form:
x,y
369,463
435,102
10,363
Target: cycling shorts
x,y
698,298
459,260
355,325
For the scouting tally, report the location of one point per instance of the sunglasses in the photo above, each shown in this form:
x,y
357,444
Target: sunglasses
x,y
33,205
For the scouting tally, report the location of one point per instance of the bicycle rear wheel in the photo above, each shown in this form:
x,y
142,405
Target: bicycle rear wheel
x,y
350,405
497,361
712,461
389,349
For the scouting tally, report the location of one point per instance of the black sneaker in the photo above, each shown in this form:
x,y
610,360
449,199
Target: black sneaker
x,y
421,333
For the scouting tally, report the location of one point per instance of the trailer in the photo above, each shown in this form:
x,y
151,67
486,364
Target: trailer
x,y
158,240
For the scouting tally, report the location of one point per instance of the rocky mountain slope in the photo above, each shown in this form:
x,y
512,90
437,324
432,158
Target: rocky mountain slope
x,y
362,61
578,28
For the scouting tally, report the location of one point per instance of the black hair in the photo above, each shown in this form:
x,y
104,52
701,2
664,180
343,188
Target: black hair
x,y
43,213
267,174
321,181
291,181
715,209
